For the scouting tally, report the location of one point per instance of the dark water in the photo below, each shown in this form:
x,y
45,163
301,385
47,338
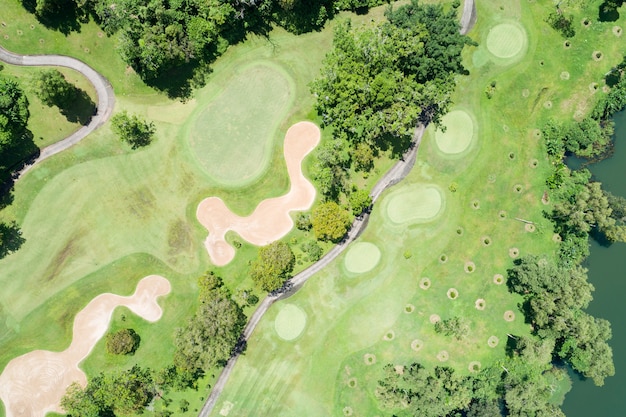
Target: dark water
x,y
607,272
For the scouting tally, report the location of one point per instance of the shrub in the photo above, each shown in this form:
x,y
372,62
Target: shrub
x,y
122,342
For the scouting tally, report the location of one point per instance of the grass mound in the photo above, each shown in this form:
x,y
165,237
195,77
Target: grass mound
x,y
362,257
290,322
506,40
458,133
417,203
232,137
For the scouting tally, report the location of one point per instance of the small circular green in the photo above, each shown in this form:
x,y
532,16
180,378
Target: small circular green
x,y
290,322
458,134
414,204
362,257
505,40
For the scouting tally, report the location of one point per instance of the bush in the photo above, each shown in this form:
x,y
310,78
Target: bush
x,y
133,130
122,342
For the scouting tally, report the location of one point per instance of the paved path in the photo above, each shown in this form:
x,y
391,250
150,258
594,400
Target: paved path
x,y
396,174
106,97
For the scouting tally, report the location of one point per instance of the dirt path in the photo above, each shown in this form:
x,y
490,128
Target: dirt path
x,y
106,97
33,384
270,220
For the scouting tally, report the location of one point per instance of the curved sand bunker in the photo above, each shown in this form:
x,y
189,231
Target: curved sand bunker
x,y
33,384
362,257
414,204
506,40
290,322
270,220
459,132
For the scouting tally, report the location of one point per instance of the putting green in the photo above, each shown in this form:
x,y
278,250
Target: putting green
x,y
506,40
416,203
232,137
362,257
459,132
290,322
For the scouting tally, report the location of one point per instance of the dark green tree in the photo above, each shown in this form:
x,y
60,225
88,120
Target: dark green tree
x,y
133,130
211,335
14,113
122,342
53,89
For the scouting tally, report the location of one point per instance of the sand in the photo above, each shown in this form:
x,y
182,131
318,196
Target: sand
x,y
270,220
33,384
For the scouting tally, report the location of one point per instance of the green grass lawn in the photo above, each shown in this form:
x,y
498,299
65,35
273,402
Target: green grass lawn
x,y
357,323
47,124
99,217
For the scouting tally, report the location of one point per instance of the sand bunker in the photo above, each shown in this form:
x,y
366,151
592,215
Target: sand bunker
x,y
33,384
506,40
459,132
362,257
414,204
290,322
270,220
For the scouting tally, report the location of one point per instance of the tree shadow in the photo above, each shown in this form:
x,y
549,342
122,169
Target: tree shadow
x,y
179,82
10,238
398,145
64,16
607,11
80,109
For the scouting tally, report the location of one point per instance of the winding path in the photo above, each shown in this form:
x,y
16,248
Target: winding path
x,y
106,97
395,174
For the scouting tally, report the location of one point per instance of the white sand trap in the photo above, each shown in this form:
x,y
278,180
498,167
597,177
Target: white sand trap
x,y
506,40
33,384
414,204
290,322
270,220
459,132
362,257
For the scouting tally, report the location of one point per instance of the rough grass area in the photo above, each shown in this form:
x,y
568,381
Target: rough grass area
x,y
417,203
457,134
362,257
232,137
290,322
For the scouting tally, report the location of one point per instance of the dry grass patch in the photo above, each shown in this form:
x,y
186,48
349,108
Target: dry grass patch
x,y
509,315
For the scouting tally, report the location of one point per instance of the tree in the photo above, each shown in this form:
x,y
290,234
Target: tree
x,y
14,113
212,333
273,266
10,238
454,326
132,130
330,221
53,89
125,392
122,342
421,392
360,201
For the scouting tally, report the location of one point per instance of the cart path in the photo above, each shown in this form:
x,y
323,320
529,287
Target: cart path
x,y
104,90
395,174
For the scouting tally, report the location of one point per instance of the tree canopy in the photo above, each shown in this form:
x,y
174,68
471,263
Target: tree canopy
x,y
273,266
133,130
212,333
330,221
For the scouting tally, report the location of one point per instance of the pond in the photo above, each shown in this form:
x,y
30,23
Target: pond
x,y
607,272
